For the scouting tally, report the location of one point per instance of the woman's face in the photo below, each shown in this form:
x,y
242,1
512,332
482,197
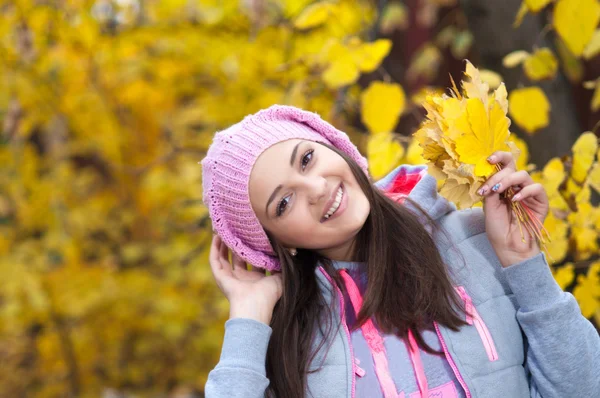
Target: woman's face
x,y
306,196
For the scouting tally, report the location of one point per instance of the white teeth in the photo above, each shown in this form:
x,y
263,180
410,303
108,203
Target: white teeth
x,y
336,203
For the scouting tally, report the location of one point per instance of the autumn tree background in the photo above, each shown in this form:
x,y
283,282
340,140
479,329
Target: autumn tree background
x,y
107,106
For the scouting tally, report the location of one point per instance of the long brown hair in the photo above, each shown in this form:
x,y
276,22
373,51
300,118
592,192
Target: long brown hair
x,y
408,288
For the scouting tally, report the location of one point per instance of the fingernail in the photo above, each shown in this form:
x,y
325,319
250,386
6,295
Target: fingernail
x,y
482,190
496,187
491,159
516,197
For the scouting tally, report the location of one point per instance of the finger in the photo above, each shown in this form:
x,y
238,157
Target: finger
x,y
503,158
520,177
224,257
535,190
279,282
213,257
216,265
238,262
492,181
258,270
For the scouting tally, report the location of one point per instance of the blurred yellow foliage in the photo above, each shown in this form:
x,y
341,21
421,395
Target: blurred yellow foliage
x,y
382,105
529,108
107,107
541,65
384,154
582,14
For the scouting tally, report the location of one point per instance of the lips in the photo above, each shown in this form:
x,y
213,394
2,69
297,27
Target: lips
x,y
329,203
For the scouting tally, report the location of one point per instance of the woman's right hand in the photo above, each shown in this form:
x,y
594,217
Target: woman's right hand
x,y
251,294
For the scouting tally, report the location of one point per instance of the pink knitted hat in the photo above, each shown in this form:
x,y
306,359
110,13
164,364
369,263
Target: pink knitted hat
x,y
229,161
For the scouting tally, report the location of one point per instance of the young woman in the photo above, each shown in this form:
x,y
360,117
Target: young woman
x,y
379,289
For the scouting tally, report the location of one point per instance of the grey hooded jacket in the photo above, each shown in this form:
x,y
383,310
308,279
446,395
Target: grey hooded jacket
x,y
528,340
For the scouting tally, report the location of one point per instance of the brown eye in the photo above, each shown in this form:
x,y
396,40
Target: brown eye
x,y
281,206
306,158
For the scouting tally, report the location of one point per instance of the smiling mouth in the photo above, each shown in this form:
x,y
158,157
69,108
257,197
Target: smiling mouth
x,y
336,203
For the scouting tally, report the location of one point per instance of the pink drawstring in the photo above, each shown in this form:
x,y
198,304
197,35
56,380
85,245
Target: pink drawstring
x,y
468,303
415,357
360,372
375,343
473,317
374,340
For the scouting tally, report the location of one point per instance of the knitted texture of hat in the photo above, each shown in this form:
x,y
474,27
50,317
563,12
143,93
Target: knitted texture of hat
x,y
227,166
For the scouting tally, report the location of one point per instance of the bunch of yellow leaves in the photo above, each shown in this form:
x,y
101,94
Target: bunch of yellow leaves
x,y
460,132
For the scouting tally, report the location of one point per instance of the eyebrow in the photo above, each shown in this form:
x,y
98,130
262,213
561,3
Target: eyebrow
x,y
271,199
293,158
276,191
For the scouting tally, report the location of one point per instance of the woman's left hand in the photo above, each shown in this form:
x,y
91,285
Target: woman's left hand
x,y
501,223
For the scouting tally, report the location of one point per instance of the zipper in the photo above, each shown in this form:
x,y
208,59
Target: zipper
x,y
473,318
451,361
343,315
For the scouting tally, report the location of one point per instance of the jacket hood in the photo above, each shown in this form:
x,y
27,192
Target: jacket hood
x,y
414,181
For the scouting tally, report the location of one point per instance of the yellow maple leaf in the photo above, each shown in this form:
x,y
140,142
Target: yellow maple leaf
x,y
493,79
381,106
368,56
558,229
432,148
414,153
489,134
593,47
520,151
585,240
314,15
500,95
594,177
342,69
463,173
523,9
453,118
595,104
515,58
554,174
395,16
384,153
564,275
584,152
575,22
419,97
425,63
542,64
345,62
587,291
474,87
529,108
551,177
570,64
536,5
434,170
583,230
460,132
457,193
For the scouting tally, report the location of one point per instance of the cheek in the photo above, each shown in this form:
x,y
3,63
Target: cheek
x,y
296,228
358,211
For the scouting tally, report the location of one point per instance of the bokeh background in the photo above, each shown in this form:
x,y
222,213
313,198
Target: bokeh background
x,y
107,106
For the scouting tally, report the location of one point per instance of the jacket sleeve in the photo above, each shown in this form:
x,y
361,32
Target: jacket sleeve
x,y
241,370
563,347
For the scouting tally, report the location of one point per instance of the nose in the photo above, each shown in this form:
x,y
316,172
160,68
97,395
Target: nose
x,y
316,189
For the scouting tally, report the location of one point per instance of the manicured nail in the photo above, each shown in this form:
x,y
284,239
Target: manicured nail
x,y
516,197
482,190
496,187
491,159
